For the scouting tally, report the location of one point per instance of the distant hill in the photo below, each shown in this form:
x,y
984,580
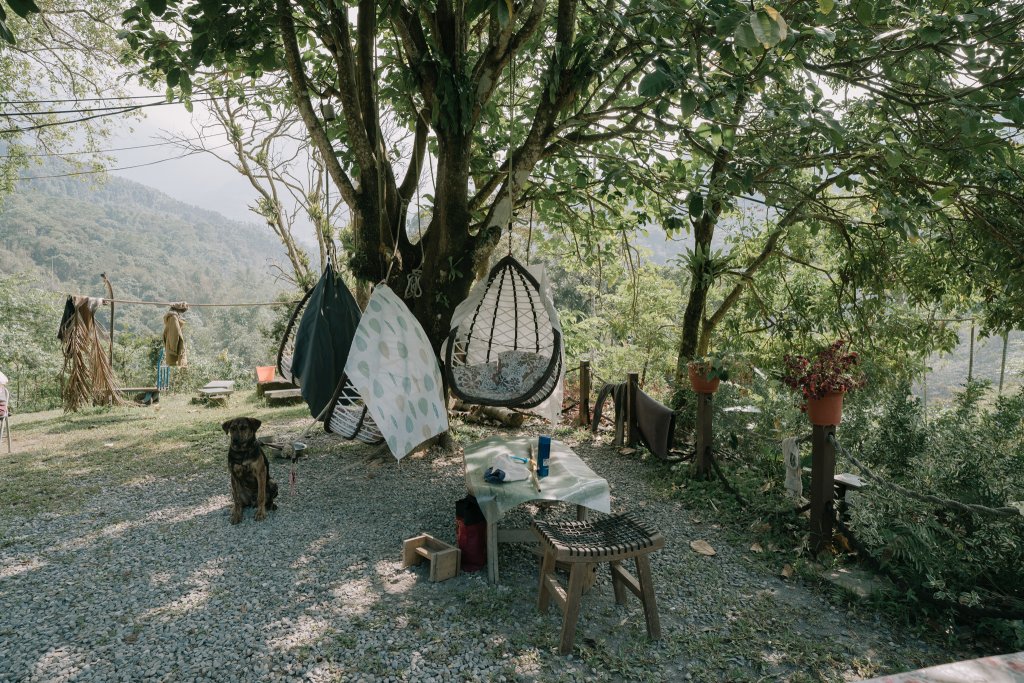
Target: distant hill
x,y
66,231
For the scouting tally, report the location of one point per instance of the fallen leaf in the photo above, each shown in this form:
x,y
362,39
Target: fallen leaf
x,y
767,486
756,548
702,547
787,571
627,451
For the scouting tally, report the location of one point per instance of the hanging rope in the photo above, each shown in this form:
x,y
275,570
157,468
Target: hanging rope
x,y
529,236
1006,511
412,282
511,116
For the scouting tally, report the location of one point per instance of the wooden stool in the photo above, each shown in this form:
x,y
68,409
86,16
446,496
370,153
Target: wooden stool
x,y
582,544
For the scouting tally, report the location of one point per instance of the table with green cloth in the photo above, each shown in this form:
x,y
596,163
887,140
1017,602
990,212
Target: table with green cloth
x,y
569,480
1008,668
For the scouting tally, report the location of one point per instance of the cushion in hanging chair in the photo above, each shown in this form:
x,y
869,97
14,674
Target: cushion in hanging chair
x,y
504,347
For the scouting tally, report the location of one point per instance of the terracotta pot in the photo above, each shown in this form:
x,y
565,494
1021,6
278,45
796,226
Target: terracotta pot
x,y
701,384
265,373
827,410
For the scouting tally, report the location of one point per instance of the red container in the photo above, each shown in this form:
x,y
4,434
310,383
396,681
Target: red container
x,y
701,384
265,373
827,410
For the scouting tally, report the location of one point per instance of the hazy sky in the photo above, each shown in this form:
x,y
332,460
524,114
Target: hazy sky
x,y
200,180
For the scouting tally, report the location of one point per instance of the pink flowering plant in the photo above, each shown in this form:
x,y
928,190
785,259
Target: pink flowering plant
x,y
834,369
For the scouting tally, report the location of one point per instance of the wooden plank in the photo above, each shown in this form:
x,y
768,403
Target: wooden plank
x,y
220,384
283,393
215,392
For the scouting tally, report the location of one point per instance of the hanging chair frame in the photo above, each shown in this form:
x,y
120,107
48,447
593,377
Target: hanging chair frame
x,y
542,388
341,417
289,338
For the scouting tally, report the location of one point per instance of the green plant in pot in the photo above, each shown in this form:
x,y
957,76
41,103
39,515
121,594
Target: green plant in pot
x,y
707,372
823,379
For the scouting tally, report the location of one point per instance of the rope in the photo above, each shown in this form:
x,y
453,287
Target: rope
x,y
180,303
1005,511
412,280
511,112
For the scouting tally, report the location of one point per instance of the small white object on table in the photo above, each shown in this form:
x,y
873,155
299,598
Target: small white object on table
x,y
569,480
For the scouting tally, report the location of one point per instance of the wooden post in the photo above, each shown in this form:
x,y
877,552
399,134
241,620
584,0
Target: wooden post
x,y
970,358
703,439
110,295
1002,365
823,472
584,393
632,432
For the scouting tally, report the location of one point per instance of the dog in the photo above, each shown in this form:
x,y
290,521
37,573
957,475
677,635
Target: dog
x,y
251,484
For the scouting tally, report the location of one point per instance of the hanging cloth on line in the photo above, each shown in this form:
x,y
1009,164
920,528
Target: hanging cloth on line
x,y
174,336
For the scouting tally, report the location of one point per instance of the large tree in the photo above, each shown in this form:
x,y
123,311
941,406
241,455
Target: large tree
x,y
860,118
488,89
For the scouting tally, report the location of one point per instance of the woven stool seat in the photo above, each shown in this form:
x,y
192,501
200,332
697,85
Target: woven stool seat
x,y
606,539
581,544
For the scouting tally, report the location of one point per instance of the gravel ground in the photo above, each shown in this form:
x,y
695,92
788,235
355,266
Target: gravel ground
x,y
151,582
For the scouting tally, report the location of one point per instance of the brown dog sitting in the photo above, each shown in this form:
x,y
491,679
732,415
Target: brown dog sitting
x,y
250,471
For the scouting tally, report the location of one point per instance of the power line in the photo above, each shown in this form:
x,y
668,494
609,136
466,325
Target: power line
x,y
122,168
84,99
117,111
101,151
111,98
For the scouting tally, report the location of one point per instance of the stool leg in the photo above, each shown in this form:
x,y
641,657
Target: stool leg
x,y
547,566
617,586
643,572
572,606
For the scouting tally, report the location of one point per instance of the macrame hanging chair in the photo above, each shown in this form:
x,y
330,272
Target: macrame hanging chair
x,y
504,347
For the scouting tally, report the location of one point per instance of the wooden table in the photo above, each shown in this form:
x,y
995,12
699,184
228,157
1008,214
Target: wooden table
x,y
569,480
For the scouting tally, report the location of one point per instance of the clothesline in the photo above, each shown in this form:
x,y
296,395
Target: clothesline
x,y
105,301
174,303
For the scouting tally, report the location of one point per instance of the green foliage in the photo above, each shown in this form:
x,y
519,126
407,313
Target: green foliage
x,y
969,453
29,350
153,248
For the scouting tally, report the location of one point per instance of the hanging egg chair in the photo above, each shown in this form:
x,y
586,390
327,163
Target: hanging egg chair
x,y
286,351
504,347
348,415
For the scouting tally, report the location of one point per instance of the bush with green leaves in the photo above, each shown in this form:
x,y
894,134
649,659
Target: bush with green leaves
x,y
970,452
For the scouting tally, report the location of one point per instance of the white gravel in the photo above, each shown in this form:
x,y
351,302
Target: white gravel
x,y
151,583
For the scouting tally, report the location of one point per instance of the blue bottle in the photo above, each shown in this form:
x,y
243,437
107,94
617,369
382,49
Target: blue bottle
x,y
543,452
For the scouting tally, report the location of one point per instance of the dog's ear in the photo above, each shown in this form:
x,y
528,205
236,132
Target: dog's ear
x,y
254,424
227,425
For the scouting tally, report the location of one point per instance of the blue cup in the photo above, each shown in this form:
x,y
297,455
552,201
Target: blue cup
x,y
543,453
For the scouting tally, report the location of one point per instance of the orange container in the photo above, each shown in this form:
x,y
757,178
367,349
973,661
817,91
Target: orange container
x,y
265,373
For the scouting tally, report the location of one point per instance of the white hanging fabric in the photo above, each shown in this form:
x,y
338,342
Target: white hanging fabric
x,y
791,454
392,366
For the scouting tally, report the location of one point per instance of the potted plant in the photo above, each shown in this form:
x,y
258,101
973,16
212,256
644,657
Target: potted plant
x,y
823,380
706,373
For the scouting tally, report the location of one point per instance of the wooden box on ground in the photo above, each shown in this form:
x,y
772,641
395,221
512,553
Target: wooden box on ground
x,y
444,559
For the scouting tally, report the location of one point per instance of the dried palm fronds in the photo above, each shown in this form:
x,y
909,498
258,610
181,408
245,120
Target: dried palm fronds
x,y
87,377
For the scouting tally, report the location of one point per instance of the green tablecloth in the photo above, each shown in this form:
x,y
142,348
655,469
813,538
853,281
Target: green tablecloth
x,y
569,479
